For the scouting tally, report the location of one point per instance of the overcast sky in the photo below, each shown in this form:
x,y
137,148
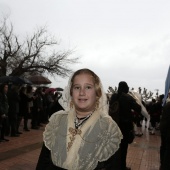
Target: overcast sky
x,y
120,40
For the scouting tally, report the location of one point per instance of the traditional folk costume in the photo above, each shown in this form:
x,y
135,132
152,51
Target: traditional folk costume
x,y
84,144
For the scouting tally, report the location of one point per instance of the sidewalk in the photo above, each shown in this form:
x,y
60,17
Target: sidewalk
x,y
21,153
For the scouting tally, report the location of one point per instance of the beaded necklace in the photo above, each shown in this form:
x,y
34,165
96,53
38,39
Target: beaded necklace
x,y
79,121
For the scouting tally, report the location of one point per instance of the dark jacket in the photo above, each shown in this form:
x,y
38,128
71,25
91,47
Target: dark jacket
x,y
3,104
23,104
165,119
126,104
13,99
3,107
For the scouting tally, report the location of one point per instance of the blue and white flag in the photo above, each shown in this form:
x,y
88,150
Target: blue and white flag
x,y
167,86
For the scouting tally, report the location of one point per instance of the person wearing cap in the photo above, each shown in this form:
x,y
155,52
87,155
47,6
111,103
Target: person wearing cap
x,y
125,123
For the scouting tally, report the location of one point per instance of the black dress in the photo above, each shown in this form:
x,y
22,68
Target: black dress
x,y
45,162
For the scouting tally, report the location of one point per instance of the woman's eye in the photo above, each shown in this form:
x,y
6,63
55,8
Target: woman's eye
x,y
88,87
76,87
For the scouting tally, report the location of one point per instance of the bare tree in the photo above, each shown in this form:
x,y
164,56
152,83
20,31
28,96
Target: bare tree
x,y
35,55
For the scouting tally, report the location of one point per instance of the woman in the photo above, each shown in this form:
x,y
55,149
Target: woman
x,y
23,108
83,137
38,109
4,106
13,113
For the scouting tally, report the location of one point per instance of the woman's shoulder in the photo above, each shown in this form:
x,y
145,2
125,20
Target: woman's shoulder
x,y
57,115
55,121
108,122
106,118
60,112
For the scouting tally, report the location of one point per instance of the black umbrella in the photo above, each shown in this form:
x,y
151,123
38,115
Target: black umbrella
x,y
14,80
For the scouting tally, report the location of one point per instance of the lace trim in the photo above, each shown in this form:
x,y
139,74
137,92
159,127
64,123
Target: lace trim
x,y
66,99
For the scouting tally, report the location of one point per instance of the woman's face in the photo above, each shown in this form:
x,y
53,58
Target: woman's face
x,y
84,93
5,88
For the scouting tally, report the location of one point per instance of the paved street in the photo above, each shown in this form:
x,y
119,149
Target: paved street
x,y
21,153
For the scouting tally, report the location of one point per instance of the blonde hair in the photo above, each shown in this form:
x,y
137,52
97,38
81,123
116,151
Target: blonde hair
x,y
96,80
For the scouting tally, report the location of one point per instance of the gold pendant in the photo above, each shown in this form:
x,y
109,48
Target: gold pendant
x,y
73,132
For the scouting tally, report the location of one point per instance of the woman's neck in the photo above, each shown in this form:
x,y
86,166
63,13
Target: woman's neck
x,y
83,114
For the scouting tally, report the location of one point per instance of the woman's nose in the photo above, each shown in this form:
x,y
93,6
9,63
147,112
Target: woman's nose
x,y
82,91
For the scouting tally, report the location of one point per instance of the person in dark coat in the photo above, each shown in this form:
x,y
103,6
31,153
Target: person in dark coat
x,y
165,137
13,99
125,121
155,114
38,109
56,105
23,107
4,106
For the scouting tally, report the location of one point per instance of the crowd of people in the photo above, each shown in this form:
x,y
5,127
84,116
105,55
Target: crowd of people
x,y
84,129
19,103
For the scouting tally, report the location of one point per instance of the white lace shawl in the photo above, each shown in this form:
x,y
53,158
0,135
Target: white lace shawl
x,y
98,140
